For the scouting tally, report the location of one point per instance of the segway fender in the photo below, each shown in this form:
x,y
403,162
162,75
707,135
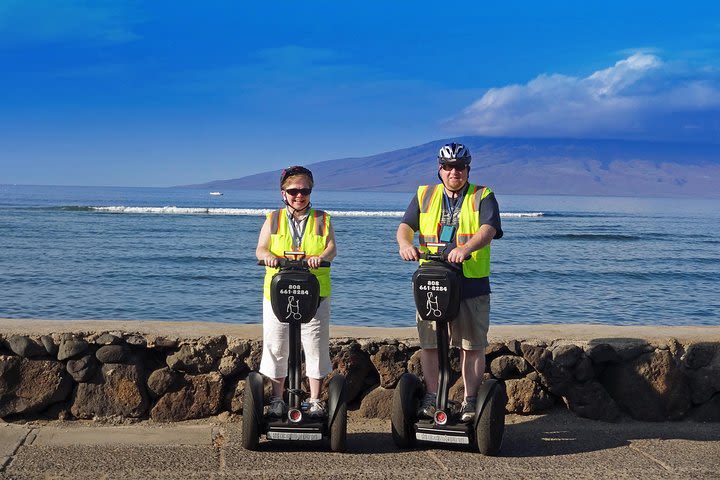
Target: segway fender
x,y
336,395
255,383
404,405
484,394
490,418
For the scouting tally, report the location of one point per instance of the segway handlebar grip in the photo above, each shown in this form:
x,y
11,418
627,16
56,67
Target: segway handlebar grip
x,y
286,262
438,257
442,257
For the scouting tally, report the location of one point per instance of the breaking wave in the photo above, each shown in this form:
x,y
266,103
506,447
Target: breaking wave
x,y
253,212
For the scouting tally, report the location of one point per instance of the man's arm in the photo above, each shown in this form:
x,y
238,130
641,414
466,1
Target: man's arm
x,y
481,239
405,235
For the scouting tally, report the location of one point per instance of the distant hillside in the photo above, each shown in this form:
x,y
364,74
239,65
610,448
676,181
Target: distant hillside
x,y
526,166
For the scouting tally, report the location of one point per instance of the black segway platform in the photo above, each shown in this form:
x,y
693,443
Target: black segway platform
x,y
436,290
295,296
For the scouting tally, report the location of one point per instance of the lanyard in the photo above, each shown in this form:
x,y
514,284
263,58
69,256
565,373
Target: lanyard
x,y
458,202
297,229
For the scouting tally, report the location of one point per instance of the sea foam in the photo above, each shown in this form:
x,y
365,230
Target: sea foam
x,y
172,210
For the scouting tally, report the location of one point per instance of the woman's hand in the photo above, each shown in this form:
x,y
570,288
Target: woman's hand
x,y
314,262
271,261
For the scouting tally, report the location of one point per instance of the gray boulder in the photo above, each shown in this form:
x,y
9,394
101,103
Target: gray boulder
x,y
584,370
112,353
537,356
50,346
163,380
108,339
602,353
705,377
25,346
509,366
83,369
136,341
698,355
566,355
72,347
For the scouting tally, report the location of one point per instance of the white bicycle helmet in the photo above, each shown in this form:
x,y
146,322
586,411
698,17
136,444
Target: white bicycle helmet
x,y
454,153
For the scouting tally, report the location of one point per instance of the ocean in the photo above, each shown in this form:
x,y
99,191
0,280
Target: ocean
x,y
181,254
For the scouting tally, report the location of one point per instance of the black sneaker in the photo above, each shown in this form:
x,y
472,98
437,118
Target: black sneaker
x,y
427,406
277,408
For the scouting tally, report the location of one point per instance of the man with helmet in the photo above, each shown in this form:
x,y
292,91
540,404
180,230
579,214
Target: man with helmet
x,y
466,218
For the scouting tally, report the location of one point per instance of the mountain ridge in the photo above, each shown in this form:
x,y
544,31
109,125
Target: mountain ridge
x,y
525,166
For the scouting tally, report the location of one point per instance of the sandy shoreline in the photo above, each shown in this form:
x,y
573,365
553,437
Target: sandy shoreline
x,y
254,331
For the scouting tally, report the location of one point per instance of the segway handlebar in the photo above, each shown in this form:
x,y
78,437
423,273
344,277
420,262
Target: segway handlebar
x,y
289,263
438,256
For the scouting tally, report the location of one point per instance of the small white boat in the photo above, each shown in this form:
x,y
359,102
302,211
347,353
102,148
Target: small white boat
x,y
216,194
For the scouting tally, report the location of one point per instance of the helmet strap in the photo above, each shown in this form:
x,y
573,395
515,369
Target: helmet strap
x,y
295,210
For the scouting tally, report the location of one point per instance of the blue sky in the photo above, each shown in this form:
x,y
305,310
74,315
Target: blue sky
x,y
159,93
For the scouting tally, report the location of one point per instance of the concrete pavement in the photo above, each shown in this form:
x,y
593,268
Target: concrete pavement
x,y
556,445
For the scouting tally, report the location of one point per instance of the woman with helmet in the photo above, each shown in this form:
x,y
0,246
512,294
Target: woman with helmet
x,y
465,217
296,227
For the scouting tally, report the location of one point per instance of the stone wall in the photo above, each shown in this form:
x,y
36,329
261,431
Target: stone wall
x,y
119,375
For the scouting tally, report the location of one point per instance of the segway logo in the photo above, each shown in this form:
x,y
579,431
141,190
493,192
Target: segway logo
x,y
293,308
432,305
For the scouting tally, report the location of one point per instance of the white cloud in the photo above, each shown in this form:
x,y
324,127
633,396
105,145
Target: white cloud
x,y
638,97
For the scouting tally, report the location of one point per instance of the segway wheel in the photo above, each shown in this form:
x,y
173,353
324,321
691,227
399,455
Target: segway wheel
x,y
490,425
338,429
252,407
404,406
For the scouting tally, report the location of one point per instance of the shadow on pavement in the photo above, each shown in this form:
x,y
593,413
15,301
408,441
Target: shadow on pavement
x,y
557,433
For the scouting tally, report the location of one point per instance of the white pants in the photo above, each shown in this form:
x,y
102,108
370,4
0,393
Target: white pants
x,y
314,336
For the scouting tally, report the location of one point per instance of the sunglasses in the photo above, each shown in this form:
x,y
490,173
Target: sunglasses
x,y
295,191
459,168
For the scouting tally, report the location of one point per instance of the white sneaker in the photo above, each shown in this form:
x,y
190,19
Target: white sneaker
x,y
316,408
277,407
467,410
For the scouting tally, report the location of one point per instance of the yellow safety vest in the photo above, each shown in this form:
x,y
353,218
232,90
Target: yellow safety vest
x,y
314,241
430,200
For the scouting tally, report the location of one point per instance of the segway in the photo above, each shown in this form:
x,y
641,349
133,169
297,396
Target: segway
x,y
436,288
295,296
